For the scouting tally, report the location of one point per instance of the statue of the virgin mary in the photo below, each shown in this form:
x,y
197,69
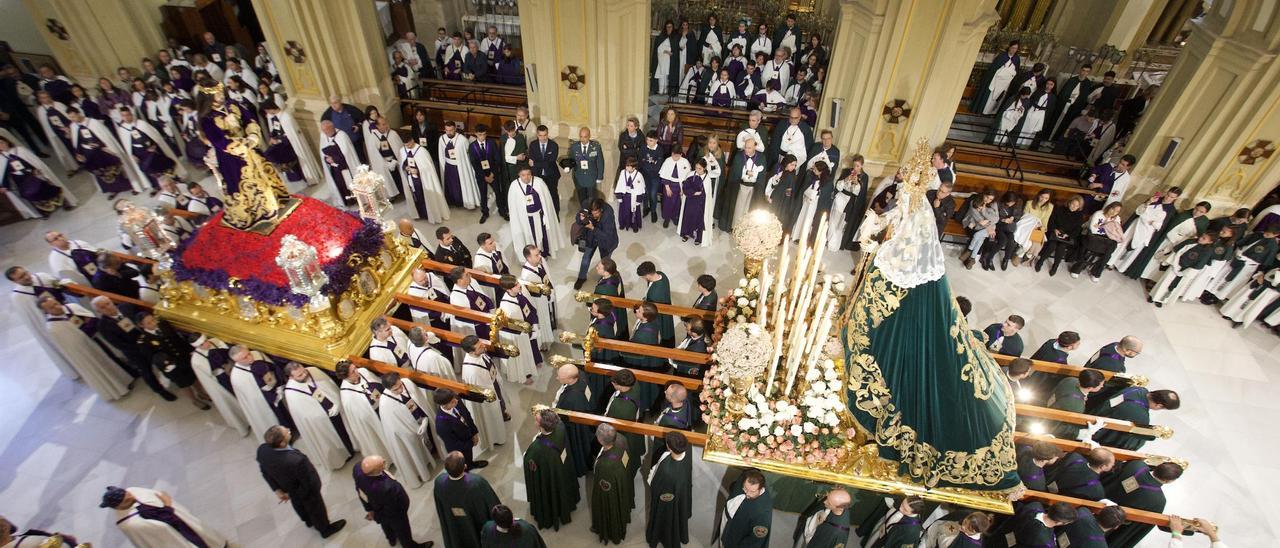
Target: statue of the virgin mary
x,y
920,386
255,197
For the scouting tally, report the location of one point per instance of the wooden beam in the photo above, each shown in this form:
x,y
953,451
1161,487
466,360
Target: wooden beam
x,y
668,309
422,379
1081,419
128,258
642,428
477,275
651,377
449,337
700,358
88,291
1054,368
700,440
458,311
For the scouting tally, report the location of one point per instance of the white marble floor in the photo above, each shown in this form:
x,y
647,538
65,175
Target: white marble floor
x,y
61,444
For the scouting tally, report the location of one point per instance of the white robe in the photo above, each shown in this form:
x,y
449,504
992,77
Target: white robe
x,y
840,202
320,439
1185,229
145,533
59,148
255,407
360,416
1138,235
1164,291
521,234
715,170
432,188
83,353
1224,288
380,166
808,206
110,144
161,142
380,351
487,415
223,400
62,264
793,143
461,159
1196,284
635,189
312,170
348,153
522,366
23,300
1009,118
1241,308
27,210
544,304
749,133
426,359
662,65
435,284
458,297
999,83
404,435
1035,119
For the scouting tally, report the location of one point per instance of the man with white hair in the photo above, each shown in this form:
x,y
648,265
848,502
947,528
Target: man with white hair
x,y
574,395
415,53
753,131
389,344
426,358
72,259
348,119
29,287
211,362
340,158
360,393
257,384
313,402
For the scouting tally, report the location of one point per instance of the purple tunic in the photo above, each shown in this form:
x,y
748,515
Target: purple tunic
x,y
105,166
20,176
151,160
61,126
629,218
410,168
336,163
695,200
281,153
671,197
533,206
453,66
452,181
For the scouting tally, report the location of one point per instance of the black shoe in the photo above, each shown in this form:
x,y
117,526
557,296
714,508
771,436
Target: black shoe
x,y
1004,263
1236,325
666,223
484,217
579,283
1053,269
168,396
506,217
968,263
1038,265
333,528
478,464
41,154
1150,300
1159,305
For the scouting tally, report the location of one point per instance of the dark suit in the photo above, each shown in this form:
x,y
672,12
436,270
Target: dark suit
x,y
121,284
113,331
291,471
457,431
544,166
494,160
477,66
386,499
602,236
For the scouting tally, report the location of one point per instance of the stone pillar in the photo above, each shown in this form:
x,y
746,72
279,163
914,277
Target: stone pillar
x,y
101,36
920,52
1222,95
343,54
607,43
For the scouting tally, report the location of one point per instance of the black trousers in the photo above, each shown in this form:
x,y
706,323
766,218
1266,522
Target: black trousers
x,y
584,195
1096,259
1057,249
310,507
395,525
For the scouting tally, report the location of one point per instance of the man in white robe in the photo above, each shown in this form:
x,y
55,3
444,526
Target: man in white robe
x,y
466,294
422,183
151,519
425,358
257,387
382,146
456,173
516,304
281,124
533,221
134,134
490,417
57,126
1176,234
389,344
405,427
360,392
211,361
110,144
74,260
1149,219
429,286
72,329
314,403
534,270
340,161
17,151
30,287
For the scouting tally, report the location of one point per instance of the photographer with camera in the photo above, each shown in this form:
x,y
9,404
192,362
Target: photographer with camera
x,y
593,229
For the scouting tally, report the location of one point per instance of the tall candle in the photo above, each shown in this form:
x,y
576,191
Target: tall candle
x,y
824,327
773,364
793,355
762,298
818,311
782,280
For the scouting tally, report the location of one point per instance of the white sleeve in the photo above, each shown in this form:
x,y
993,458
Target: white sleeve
x,y
508,149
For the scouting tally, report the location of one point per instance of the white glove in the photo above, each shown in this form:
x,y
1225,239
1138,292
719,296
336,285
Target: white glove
x,y
1093,428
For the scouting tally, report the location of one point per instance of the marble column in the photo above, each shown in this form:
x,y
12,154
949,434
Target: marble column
x,y
1221,96
101,36
605,43
343,52
920,52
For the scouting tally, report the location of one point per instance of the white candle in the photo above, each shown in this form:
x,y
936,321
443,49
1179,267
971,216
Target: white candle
x,y
818,311
762,299
773,364
793,355
821,243
782,277
797,283
824,327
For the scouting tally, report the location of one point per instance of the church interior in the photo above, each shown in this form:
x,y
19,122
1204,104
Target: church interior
x,y
932,273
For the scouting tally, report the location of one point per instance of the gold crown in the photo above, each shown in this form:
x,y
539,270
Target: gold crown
x,y
918,171
210,90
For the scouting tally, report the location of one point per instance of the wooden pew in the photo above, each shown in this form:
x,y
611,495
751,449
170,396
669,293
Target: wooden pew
x,y
974,178
468,114
1029,165
668,309
700,440
482,93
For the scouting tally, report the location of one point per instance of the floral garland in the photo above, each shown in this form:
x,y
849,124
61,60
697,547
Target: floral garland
x,y
366,240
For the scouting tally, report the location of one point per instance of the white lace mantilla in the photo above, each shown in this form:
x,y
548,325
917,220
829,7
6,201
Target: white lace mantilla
x,y
912,255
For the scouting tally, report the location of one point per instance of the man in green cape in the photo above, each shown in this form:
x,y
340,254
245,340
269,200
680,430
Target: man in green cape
x,y
1135,405
623,406
1070,394
574,395
1078,474
1090,530
1187,224
670,495
1141,487
505,531
548,473
1031,462
612,488
676,413
825,523
897,528
748,513
659,291
745,172
1031,525
463,502
647,331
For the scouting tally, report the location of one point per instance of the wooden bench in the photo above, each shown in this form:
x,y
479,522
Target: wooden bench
x,y
976,178
467,114
480,93
992,157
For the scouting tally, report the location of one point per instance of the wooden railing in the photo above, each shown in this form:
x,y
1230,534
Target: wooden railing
x,y
1054,368
700,440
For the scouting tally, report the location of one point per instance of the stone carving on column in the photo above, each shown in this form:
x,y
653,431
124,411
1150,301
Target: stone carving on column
x,y
1255,150
571,78
57,30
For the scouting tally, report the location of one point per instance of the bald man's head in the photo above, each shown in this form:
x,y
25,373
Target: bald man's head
x,y
567,374
373,465
1130,346
838,500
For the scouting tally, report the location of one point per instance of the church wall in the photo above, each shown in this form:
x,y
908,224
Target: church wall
x,y
21,30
